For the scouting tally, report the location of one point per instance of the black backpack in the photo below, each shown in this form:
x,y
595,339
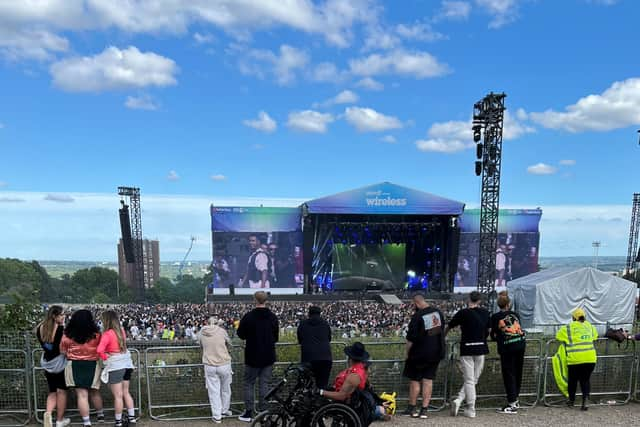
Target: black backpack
x,y
363,402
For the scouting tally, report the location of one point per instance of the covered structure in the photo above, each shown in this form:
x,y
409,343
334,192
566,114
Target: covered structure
x,y
545,300
379,237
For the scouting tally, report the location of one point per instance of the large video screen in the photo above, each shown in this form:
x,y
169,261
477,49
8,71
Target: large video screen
x,y
256,248
517,251
368,267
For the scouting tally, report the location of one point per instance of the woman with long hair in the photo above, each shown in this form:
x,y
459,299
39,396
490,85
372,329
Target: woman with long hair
x,y
49,333
118,365
80,343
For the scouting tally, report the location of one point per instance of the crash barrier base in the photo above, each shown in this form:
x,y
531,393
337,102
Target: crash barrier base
x,y
40,391
15,407
490,393
611,381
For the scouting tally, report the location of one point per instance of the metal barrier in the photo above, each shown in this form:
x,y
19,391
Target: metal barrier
x,y
167,372
612,378
40,389
15,405
490,388
385,373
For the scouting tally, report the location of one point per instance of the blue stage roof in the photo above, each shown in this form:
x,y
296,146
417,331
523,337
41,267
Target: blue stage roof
x,y
383,199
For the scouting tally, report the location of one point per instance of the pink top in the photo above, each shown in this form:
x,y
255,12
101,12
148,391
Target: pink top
x,y
109,344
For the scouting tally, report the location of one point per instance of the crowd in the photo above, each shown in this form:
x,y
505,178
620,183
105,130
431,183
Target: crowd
x,y
347,319
80,352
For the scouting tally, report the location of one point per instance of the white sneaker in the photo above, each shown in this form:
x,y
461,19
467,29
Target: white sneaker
x,y
47,421
64,423
217,420
227,413
470,413
455,407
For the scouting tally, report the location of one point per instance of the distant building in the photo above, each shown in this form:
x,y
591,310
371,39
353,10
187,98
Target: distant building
x,y
150,262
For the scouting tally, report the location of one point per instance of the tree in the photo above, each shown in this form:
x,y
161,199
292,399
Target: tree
x,y
21,315
21,279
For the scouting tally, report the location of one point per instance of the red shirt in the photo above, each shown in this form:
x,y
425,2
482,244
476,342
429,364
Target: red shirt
x,y
109,344
359,369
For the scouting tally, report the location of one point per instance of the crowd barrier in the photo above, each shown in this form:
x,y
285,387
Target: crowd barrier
x,y
15,406
173,378
612,379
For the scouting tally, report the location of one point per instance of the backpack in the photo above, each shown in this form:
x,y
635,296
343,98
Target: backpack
x,y
363,402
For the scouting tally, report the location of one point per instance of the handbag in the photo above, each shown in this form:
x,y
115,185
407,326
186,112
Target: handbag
x,y
618,335
55,365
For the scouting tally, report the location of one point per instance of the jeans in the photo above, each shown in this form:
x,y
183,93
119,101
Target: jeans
x,y
250,376
471,368
511,365
218,381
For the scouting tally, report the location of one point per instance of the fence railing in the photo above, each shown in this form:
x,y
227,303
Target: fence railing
x,y
172,377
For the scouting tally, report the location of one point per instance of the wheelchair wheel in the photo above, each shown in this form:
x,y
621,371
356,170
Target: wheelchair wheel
x,y
336,415
270,418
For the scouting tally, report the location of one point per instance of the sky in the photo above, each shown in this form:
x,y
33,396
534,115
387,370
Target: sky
x,y
277,101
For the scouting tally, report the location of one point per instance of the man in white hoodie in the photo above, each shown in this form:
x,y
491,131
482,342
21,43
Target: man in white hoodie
x,y
217,368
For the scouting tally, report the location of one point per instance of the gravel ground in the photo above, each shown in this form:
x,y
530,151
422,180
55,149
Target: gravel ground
x,y
603,416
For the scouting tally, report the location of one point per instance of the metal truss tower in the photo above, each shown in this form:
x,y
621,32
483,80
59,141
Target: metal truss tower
x,y
634,230
133,193
488,118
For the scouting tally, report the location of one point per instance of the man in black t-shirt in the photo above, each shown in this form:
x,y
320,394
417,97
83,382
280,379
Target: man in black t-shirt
x,y
474,325
425,349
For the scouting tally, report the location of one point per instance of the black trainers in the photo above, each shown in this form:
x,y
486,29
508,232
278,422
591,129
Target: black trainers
x,y
409,411
423,413
246,416
508,410
100,417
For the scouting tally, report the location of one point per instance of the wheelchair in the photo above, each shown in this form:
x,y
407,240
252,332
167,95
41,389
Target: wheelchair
x,y
293,403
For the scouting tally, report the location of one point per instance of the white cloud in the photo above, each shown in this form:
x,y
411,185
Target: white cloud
x,y
309,121
283,66
541,169
12,200
617,107
567,162
455,135
3,184
327,72
203,38
369,120
370,84
142,102
418,31
114,69
218,177
503,12
379,38
344,97
454,10
30,44
332,19
264,123
416,64
173,176
390,139
59,198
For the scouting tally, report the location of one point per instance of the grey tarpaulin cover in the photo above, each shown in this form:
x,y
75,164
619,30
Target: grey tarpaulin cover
x,y
549,296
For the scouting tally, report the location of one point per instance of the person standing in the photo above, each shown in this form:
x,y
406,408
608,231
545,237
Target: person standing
x,y
511,340
425,349
578,337
217,368
474,324
118,366
258,266
49,333
79,344
314,337
260,330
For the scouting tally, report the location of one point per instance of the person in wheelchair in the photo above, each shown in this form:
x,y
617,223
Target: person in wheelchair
x,y
352,387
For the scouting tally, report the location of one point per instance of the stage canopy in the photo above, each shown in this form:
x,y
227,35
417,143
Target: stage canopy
x,y
549,296
384,199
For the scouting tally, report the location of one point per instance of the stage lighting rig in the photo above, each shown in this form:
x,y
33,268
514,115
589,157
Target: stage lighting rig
x,y
488,122
133,194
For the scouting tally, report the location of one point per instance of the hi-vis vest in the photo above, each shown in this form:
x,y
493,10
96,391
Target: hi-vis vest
x,y
578,338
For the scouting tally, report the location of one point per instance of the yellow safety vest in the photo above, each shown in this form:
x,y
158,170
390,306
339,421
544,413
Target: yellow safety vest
x,y
578,338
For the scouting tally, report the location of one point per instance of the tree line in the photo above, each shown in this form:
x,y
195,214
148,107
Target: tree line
x,y
28,280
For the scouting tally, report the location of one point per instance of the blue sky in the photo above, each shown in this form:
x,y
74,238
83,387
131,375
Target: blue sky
x,y
206,101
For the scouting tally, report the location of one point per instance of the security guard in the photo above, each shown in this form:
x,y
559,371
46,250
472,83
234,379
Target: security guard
x,y
578,338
